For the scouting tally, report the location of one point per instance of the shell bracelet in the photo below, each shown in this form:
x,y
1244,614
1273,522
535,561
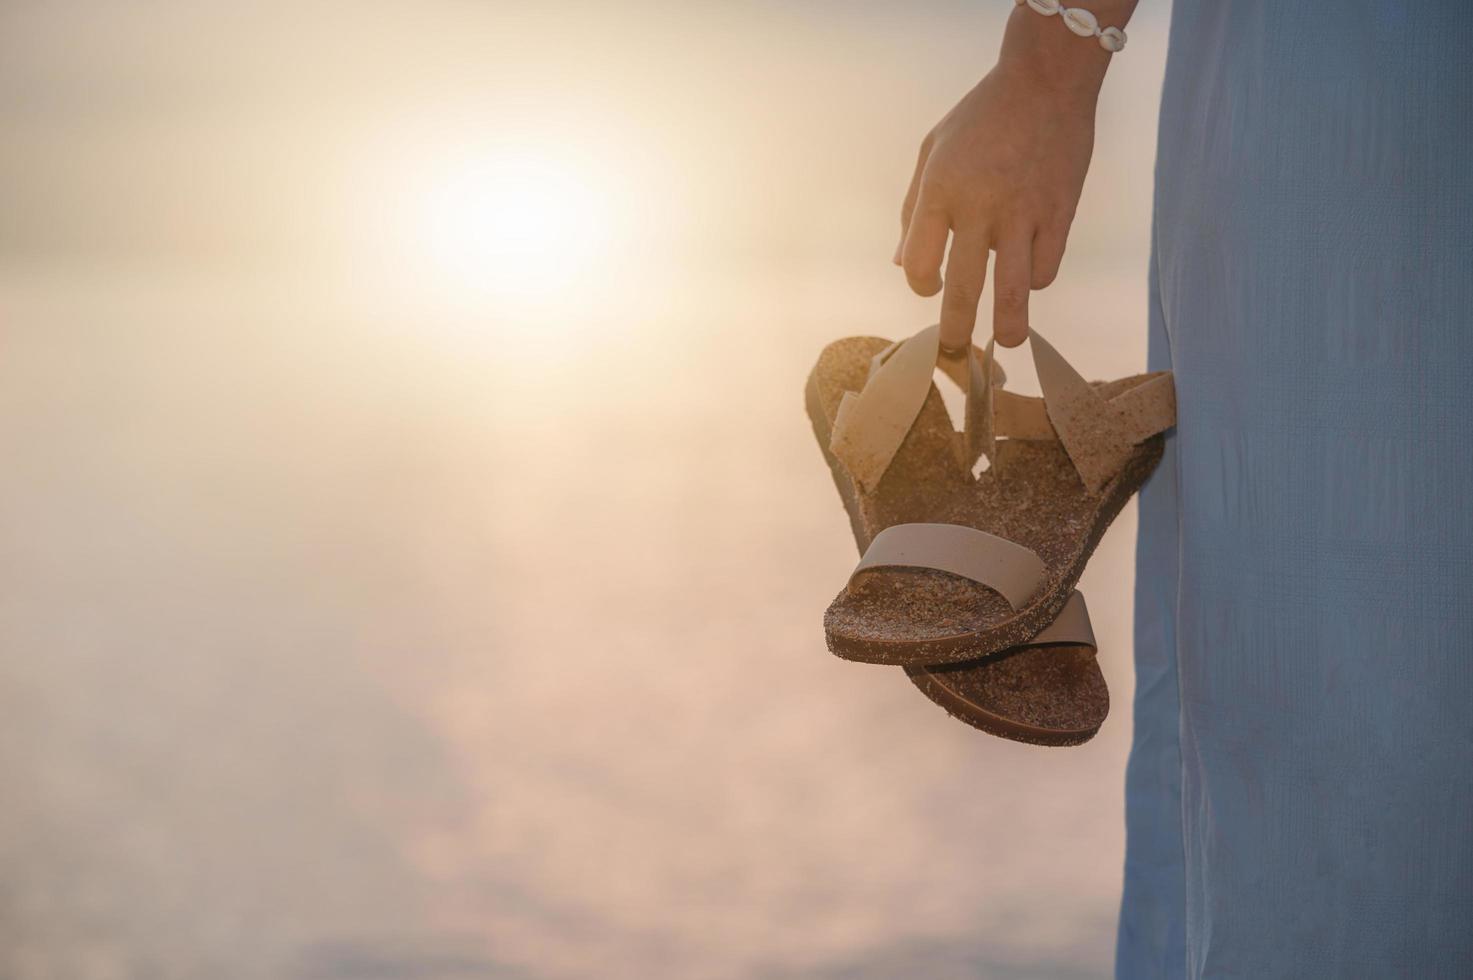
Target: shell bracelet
x,y
1080,21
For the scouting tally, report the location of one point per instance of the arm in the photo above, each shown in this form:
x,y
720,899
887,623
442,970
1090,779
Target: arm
x,y
1003,172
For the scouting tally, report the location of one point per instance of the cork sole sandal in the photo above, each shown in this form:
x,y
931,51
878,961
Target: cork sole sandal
x,y
1047,692
958,566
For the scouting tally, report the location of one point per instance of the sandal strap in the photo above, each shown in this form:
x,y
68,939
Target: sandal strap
x,y
1071,626
1097,433
1008,568
1143,409
870,425
1086,426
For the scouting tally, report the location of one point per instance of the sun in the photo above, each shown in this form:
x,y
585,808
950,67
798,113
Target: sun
x,y
515,227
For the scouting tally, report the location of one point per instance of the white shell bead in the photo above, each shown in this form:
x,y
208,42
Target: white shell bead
x,y
1080,21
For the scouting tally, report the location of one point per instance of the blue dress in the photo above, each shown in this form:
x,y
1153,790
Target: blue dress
x,y
1300,790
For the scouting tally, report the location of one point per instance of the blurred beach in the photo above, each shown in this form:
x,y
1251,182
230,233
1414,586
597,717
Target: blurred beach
x,y
379,599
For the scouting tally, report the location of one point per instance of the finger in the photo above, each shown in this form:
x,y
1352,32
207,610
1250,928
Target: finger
x,y
1048,253
966,270
1011,277
925,243
908,206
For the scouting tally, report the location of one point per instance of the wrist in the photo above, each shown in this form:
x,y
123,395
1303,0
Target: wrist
x,y
1042,53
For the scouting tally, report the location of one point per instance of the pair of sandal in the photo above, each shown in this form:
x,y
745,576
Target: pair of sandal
x,y
967,578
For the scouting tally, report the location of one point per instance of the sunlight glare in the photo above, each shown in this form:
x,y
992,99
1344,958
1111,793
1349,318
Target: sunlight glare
x,y
517,228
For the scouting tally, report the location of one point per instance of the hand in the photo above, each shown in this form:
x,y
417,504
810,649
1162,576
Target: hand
x,y
1003,172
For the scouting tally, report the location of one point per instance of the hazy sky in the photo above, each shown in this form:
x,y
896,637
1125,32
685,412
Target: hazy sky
x,y
216,130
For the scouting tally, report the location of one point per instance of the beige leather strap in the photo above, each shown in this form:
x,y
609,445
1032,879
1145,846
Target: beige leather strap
x,y
1015,572
1098,434
1142,411
1072,625
1081,417
870,425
